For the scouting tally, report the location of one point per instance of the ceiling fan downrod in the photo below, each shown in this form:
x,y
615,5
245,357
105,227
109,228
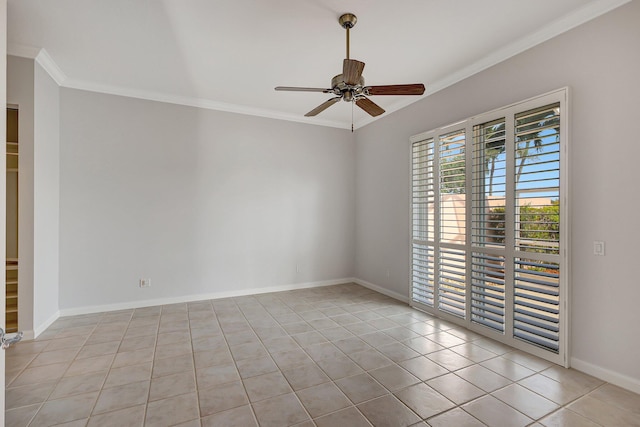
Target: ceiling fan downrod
x,y
348,21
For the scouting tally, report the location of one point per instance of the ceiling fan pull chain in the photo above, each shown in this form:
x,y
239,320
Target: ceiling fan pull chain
x,y
352,115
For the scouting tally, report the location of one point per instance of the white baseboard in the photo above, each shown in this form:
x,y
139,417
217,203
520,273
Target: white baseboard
x,y
615,378
199,297
43,327
382,290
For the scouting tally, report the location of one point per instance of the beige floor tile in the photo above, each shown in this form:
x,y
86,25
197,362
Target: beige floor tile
x,y
128,374
483,378
394,377
172,385
325,350
125,396
424,401
305,376
324,343
66,343
319,324
222,397
309,338
559,392
360,388
208,343
370,359
449,359
128,417
377,339
566,418
388,411
323,399
455,417
30,394
361,328
172,365
266,386
528,360
78,384
20,417
493,412
17,361
335,334
346,417
220,356
473,352
398,352
604,413
99,338
493,346
137,343
291,358
531,404
248,351
422,328
423,345
281,411
40,374
423,368
507,368
455,388
140,331
51,357
297,328
64,410
253,367
101,349
91,364
172,411
236,417
400,333
339,367
27,347
133,357
619,397
216,375
280,344
572,378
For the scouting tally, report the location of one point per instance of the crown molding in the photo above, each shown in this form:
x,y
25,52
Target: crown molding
x,y
553,29
41,56
197,102
51,67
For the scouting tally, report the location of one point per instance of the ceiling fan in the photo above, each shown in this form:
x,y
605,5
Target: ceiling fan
x,y
349,86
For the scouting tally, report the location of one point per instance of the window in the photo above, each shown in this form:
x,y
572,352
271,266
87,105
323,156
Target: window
x,y
488,228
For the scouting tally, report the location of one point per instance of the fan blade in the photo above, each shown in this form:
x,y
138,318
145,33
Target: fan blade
x,y
369,106
415,89
352,71
320,108
303,89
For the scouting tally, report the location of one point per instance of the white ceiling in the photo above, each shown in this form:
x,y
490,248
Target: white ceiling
x,y
230,54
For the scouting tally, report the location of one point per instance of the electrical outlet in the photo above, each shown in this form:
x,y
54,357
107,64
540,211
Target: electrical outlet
x,y
145,283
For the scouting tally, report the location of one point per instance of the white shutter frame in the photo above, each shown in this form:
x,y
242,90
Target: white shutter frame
x,y
560,96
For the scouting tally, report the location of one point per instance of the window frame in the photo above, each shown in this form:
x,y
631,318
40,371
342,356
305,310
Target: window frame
x,y
509,113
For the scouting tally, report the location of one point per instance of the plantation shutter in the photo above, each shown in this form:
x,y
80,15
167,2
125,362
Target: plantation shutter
x,y
487,207
537,227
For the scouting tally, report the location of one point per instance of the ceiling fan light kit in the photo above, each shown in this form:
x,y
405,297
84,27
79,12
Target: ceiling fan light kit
x,y
350,86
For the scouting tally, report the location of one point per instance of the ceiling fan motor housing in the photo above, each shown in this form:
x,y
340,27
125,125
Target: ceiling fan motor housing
x,y
348,92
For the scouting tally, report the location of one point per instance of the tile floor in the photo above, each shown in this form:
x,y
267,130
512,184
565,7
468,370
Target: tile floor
x,y
328,357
